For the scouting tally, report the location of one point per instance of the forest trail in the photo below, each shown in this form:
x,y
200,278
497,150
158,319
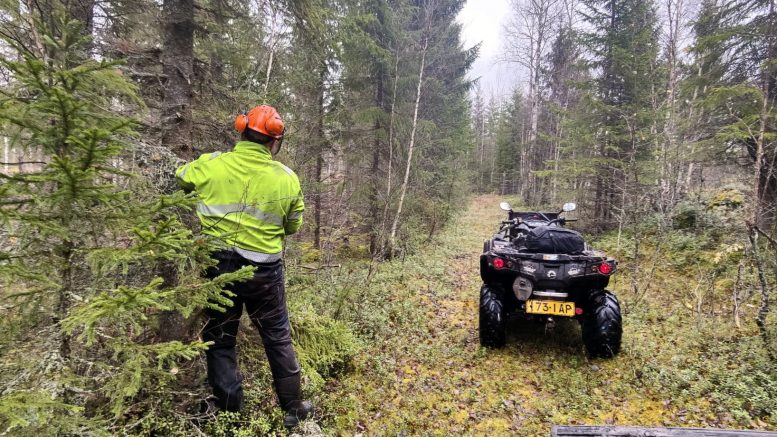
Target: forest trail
x,y
434,378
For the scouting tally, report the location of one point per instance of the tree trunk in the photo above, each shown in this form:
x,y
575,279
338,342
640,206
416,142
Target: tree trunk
x,y
65,252
83,11
176,118
390,169
403,190
268,73
319,154
482,148
668,180
762,172
177,67
376,233
216,56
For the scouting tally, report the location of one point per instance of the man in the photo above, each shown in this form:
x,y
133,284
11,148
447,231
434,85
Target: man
x,y
250,203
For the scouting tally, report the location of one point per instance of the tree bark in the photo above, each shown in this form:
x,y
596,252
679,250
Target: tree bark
x,y
390,169
268,73
376,234
65,252
83,11
176,118
177,67
674,10
319,154
760,169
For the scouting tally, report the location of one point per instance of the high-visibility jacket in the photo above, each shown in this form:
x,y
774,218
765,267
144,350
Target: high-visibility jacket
x,y
247,200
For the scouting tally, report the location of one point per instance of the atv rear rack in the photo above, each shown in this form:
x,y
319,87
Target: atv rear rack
x,y
509,251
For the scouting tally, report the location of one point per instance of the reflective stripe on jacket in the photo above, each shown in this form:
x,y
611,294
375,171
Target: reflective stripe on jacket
x,y
246,199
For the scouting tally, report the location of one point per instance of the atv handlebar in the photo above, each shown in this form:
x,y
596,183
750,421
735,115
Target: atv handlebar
x,y
561,220
517,220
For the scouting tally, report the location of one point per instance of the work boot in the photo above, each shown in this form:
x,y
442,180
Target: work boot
x,y
297,412
290,397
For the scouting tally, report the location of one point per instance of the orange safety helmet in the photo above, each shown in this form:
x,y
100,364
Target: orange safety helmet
x,y
263,119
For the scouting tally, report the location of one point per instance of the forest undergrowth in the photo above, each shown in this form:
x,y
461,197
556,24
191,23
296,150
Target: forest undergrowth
x,y
419,369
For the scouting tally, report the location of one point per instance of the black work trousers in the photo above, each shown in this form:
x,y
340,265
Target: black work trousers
x,y
264,297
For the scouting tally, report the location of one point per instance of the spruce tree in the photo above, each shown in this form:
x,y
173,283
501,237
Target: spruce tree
x,y
623,42
511,143
372,49
736,50
560,78
80,237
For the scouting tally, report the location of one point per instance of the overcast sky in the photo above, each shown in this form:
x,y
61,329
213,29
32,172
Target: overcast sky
x,y
483,21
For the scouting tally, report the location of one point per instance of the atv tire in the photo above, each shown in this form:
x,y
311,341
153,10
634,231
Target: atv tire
x,y
602,325
492,318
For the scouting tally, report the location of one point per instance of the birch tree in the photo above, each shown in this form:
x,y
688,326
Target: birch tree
x,y
411,144
529,34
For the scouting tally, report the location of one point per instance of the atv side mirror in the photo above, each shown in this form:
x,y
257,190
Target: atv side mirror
x,y
568,207
505,206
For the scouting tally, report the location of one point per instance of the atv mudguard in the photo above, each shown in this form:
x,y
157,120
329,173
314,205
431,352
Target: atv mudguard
x,y
485,270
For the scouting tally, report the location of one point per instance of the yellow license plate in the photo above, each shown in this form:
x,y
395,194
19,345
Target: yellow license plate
x,y
553,308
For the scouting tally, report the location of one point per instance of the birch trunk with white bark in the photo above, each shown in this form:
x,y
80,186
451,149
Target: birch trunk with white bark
x,y
403,189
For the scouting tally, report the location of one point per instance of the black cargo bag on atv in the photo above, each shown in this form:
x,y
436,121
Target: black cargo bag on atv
x,y
548,239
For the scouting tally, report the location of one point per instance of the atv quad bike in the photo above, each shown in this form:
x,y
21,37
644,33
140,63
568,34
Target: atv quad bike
x,y
537,268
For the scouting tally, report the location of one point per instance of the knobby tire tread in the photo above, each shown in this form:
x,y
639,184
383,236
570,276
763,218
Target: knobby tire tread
x,y
492,318
603,326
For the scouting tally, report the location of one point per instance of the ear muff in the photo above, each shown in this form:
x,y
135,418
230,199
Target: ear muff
x,y
241,121
274,126
263,119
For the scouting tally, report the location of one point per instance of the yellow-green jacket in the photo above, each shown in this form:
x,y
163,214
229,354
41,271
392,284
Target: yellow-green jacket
x,y
246,199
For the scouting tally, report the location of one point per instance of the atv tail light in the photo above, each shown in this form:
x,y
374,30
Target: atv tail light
x,y
578,311
605,268
499,263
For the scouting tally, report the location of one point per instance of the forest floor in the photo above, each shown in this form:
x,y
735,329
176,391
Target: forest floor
x,y
430,376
